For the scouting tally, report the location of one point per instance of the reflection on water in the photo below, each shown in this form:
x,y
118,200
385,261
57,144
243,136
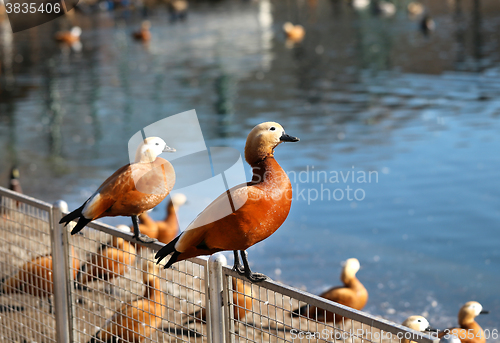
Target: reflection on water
x,y
363,92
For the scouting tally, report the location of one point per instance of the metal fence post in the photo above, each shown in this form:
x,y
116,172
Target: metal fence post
x,y
60,270
216,309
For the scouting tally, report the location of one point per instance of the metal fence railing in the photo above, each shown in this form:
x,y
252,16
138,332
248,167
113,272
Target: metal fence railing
x,y
100,284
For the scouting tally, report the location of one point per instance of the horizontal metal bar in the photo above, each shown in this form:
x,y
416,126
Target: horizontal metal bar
x,y
25,199
337,308
129,236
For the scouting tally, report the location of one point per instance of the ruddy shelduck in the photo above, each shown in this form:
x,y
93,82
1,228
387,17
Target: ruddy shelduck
x,y
131,190
35,277
143,34
294,33
110,261
164,230
69,37
134,322
242,302
417,323
352,294
14,183
259,207
469,331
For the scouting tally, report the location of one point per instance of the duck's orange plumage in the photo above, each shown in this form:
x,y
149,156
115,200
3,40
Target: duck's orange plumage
x,y
469,330
35,277
143,34
69,37
164,230
294,33
131,190
135,321
261,206
110,261
352,294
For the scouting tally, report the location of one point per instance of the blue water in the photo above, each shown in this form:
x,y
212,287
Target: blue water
x,y
364,94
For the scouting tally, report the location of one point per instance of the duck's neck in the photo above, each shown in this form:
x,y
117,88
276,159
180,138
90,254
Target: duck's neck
x,y
267,170
153,291
171,217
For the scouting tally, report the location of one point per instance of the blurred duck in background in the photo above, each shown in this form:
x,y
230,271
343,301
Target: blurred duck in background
x,y
14,183
69,37
135,321
35,278
111,260
242,301
143,34
417,323
469,331
163,230
383,8
294,33
352,294
178,9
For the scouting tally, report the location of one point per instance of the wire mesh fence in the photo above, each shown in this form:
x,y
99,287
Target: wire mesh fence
x,y
26,309
268,312
119,291
100,286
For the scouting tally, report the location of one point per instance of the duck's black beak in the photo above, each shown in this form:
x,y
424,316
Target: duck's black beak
x,y
431,329
484,312
287,138
168,149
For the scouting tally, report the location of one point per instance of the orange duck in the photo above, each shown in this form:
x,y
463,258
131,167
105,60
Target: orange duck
x,y
352,294
260,207
469,331
118,195
242,301
111,260
14,183
143,34
294,33
164,230
69,37
135,321
35,277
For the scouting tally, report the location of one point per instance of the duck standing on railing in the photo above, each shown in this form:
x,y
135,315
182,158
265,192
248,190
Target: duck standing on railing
x,y
417,323
135,321
131,190
35,278
163,230
352,294
110,261
259,207
469,330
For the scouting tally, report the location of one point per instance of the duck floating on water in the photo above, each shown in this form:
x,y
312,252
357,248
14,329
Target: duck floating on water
x,y
259,207
143,34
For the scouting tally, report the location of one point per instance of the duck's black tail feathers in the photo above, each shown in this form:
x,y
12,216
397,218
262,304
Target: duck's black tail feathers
x,y
301,311
74,215
167,250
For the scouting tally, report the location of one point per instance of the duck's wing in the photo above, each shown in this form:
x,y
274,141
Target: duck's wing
x,y
231,202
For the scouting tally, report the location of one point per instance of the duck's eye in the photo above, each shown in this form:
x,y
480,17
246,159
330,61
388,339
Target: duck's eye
x,y
157,143
272,128
419,321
